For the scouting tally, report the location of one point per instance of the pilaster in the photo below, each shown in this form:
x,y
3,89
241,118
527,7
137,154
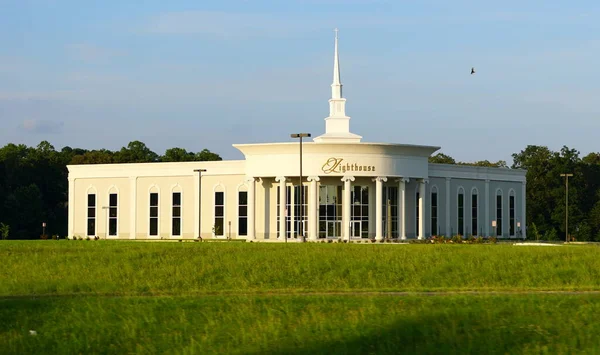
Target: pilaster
x,y
133,208
251,207
71,231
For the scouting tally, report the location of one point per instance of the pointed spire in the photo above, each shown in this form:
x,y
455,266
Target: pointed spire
x,y
336,86
337,125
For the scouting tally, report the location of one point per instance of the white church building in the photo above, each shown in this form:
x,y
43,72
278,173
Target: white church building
x,y
332,187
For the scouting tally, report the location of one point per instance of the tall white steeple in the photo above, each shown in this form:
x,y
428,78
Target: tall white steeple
x,y
337,125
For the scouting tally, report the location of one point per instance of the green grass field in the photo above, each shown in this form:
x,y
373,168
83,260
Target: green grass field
x,y
128,297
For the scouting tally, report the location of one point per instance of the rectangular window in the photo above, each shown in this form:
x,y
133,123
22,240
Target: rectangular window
x,y
511,209
474,214
112,214
330,211
91,214
153,214
434,213
176,219
243,213
461,214
390,193
297,206
417,225
219,225
499,215
359,212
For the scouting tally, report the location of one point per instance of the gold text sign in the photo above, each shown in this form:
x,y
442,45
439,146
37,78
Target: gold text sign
x,y
337,165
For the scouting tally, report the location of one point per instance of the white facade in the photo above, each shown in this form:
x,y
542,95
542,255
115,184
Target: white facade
x,y
352,190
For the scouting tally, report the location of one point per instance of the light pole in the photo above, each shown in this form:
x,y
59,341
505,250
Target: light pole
x,y
199,171
301,220
566,176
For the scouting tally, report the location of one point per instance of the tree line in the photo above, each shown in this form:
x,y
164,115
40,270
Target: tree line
x,y
546,191
34,186
34,182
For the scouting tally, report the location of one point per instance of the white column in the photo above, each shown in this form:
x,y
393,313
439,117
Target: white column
x,y
251,208
282,203
347,203
422,209
313,207
133,209
71,232
487,208
402,206
448,224
524,210
378,207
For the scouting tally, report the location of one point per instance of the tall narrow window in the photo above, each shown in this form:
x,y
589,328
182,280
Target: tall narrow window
x,y
112,214
498,213
474,212
91,214
243,213
219,213
417,221
461,212
176,216
154,213
330,211
390,216
434,211
511,209
359,212
297,206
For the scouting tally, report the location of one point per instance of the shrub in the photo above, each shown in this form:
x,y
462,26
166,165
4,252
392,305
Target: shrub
x,y
44,236
4,229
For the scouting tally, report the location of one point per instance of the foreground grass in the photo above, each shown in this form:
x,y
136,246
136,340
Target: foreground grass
x,y
302,325
133,268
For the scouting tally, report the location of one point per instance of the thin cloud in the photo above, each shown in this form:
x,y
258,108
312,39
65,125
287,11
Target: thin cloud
x,y
41,126
91,53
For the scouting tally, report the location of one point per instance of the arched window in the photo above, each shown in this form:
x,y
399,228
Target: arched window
x,y
474,211
91,212
434,211
498,212
460,201
219,211
511,210
242,210
113,212
176,208
154,219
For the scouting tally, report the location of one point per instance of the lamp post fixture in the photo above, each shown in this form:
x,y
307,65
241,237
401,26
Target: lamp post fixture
x,y
301,219
566,176
200,171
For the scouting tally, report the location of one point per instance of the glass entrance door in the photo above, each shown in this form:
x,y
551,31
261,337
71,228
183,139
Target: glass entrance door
x,y
356,229
333,229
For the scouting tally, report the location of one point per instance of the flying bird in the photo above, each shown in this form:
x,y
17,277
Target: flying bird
x,y
472,71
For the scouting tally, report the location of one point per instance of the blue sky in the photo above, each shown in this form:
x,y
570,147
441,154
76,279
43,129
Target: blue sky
x,y
207,74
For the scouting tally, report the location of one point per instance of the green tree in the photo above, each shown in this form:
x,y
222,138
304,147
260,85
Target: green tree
x,y
207,155
441,158
136,152
177,154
